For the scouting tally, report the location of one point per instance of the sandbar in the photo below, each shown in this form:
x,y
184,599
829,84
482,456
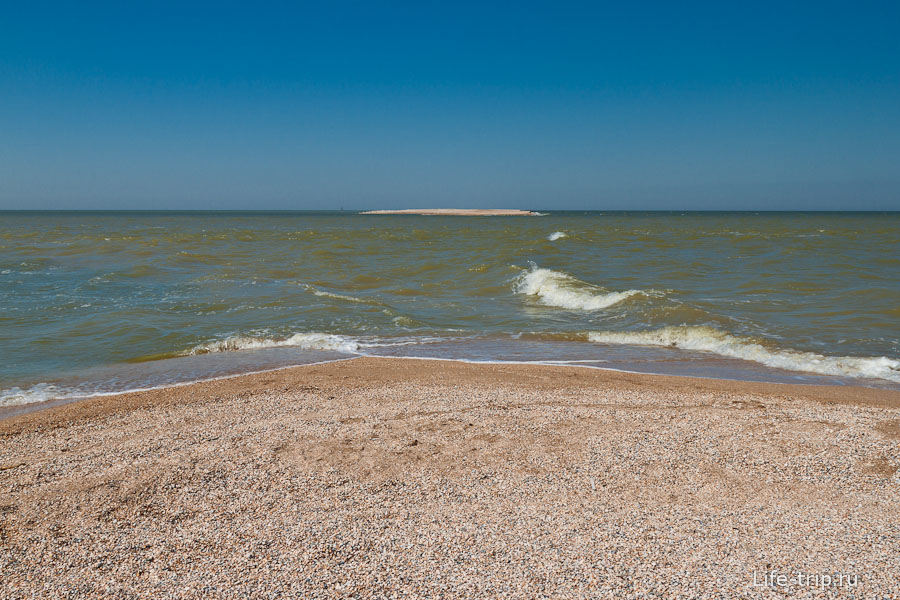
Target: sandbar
x,y
457,212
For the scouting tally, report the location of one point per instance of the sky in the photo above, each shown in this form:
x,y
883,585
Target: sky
x,y
545,105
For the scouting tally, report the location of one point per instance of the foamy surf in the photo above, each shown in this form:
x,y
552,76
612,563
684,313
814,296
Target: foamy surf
x,y
708,339
553,288
40,392
305,341
557,235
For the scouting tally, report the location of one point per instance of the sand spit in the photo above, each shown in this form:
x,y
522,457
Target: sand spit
x,y
459,212
378,477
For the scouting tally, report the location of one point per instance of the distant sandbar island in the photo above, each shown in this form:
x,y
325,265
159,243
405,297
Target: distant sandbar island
x,y
465,212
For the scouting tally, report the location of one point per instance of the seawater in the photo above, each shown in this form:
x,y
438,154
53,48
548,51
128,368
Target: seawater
x,y
101,302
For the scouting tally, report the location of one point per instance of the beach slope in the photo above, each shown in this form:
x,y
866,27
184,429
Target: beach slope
x,y
374,476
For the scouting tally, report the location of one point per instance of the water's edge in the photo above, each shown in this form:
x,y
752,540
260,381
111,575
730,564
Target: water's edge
x,y
14,410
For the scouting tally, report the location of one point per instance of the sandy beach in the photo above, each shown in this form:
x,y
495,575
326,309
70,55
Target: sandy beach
x,y
375,478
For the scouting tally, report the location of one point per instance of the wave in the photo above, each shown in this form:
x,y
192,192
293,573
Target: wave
x,y
560,289
40,392
558,235
708,339
404,321
306,341
325,294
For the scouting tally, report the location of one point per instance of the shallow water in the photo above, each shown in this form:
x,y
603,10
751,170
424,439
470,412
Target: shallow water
x,y
102,302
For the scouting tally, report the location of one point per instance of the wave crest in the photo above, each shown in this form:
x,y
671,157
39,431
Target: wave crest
x,y
306,341
708,339
325,294
560,289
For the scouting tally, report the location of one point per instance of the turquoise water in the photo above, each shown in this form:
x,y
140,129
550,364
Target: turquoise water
x,y
103,302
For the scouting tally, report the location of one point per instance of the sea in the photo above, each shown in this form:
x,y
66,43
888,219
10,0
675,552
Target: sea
x,y
95,303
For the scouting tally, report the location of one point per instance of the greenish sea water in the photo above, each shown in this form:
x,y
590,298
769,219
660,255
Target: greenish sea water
x,y
99,302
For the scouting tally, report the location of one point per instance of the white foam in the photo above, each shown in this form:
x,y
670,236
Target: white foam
x,y
553,288
325,294
708,339
558,235
306,341
36,393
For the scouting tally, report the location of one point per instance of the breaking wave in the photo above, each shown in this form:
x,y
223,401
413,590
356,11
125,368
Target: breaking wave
x,y
708,339
553,288
306,341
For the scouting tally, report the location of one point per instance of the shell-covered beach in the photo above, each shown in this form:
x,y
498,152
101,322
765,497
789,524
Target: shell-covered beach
x,y
376,478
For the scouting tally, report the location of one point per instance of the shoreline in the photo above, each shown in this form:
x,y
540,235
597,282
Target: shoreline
x,y
15,410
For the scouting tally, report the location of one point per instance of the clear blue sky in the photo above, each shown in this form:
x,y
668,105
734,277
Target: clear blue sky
x,y
719,105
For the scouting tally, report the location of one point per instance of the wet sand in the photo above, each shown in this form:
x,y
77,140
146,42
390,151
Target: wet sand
x,y
377,476
458,212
